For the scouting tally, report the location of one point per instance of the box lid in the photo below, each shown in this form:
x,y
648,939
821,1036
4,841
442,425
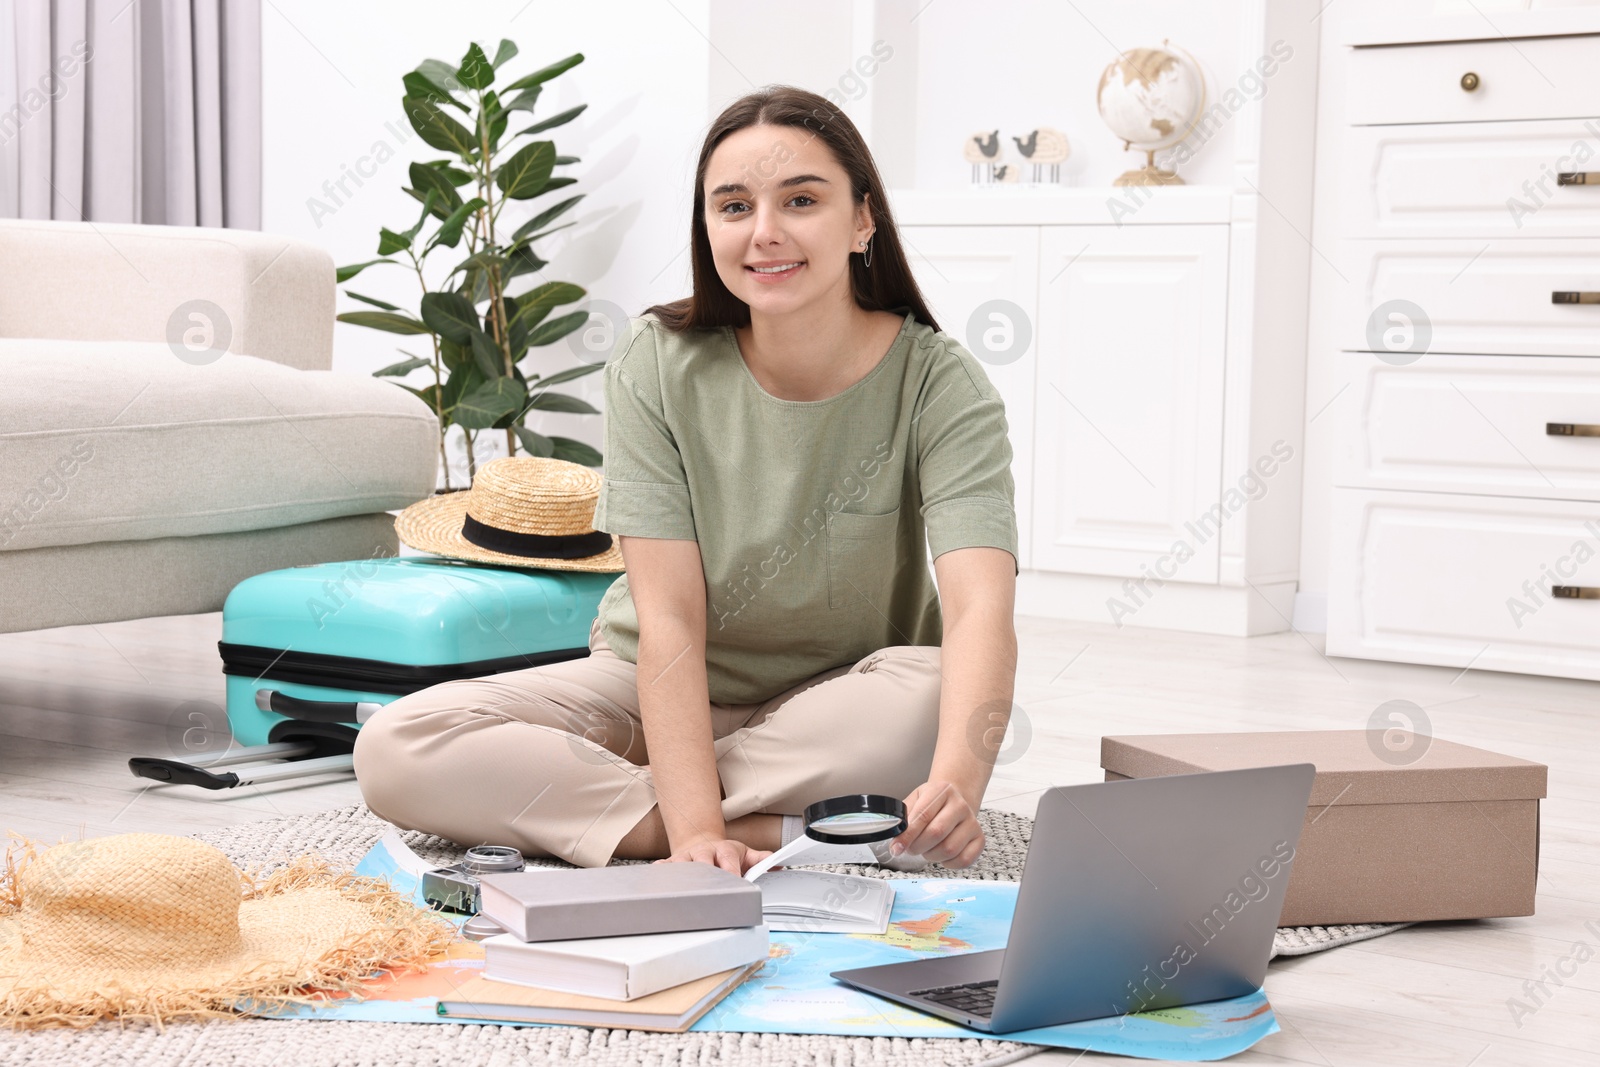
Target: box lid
x,y
1353,766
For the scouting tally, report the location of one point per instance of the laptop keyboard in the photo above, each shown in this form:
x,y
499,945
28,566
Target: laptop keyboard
x,y
974,998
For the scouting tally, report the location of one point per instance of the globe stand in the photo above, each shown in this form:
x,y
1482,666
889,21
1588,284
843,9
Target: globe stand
x,y
1149,174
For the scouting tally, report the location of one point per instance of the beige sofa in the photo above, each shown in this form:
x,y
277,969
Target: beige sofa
x,y
169,424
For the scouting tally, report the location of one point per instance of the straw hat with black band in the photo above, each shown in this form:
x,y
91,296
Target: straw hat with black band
x,y
155,927
523,511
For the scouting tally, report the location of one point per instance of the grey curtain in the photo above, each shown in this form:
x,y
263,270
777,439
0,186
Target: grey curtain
x,y
131,111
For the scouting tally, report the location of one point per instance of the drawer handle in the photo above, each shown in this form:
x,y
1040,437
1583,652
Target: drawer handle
x,y
1575,592
1559,297
1578,177
1571,429
1469,81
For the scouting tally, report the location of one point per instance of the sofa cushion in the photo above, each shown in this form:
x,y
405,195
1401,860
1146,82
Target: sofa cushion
x,y
112,440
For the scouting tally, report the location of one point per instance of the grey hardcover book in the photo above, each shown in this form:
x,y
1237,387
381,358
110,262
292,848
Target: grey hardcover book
x,y
645,898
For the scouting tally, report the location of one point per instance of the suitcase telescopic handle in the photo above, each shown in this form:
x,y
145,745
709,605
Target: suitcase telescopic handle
x,y
334,711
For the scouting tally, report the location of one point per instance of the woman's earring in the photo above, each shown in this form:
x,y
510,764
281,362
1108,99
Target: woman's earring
x,y
866,257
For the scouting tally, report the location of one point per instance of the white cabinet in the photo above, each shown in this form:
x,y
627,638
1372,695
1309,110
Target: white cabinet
x,y
1114,405
962,268
1128,397
1466,509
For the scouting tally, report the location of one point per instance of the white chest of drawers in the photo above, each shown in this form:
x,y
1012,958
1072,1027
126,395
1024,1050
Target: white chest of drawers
x,y
1466,510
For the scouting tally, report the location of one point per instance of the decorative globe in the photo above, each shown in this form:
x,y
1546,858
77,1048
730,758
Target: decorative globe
x,y
1151,99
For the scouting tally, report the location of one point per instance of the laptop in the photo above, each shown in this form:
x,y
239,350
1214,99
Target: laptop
x,y
1136,894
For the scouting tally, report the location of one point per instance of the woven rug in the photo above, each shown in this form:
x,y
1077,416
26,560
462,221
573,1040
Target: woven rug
x,y
344,835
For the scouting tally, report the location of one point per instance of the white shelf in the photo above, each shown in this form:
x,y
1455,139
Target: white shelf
x,y
1043,205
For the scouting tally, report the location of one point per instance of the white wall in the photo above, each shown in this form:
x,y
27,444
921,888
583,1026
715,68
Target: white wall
x,y
331,74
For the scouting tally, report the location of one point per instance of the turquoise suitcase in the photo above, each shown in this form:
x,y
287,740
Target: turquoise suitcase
x,y
311,652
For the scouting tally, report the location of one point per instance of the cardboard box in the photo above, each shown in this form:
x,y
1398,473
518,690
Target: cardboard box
x,y
1451,834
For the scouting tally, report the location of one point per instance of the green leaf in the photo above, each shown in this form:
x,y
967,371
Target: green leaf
x,y
454,355
479,261
522,262
504,54
390,242
524,100
569,374
561,402
475,71
389,321
428,200
537,444
546,216
399,370
487,355
438,129
455,175
344,274
536,303
544,74
440,73
516,330
450,315
560,160
428,394
524,175
450,230
427,178
422,87
554,120
463,380
557,328
575,452
489,402
556,183
384,304
497,127
545,233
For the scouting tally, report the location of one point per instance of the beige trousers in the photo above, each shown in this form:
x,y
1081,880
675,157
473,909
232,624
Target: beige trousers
x,y
552,759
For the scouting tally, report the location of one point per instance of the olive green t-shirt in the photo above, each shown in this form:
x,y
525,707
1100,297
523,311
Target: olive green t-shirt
x,y
810,515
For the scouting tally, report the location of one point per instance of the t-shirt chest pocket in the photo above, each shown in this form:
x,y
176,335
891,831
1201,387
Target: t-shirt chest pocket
x,y
861,558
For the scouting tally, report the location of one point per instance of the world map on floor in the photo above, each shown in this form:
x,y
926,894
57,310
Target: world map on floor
x,y
794,991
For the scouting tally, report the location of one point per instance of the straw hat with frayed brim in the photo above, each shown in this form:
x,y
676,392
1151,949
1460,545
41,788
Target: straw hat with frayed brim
x,y
523,511
155,927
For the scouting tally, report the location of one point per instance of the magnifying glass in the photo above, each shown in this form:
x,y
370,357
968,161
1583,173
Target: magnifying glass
x,y
854,828
855,819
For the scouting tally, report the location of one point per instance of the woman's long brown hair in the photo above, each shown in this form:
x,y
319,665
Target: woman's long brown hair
x,y
887,285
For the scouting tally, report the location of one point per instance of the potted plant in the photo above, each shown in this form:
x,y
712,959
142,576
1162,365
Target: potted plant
x,y
480,333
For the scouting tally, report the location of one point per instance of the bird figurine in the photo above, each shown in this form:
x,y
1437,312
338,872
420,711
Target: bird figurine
x,y
1044,147
983,150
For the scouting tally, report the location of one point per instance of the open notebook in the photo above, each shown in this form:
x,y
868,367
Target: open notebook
x,y
818,900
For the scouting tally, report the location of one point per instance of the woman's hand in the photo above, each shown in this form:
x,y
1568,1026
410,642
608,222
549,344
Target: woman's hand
x,y
735,856
941,826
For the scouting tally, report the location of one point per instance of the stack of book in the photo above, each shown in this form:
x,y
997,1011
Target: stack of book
x,y
648,946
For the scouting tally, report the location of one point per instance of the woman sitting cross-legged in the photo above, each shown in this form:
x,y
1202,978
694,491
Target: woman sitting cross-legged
x,y
784,448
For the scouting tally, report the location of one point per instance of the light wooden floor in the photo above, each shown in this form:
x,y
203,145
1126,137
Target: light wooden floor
x,y
76,702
